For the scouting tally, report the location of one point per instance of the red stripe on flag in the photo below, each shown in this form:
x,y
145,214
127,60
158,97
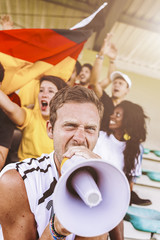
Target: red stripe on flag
x,y
39,45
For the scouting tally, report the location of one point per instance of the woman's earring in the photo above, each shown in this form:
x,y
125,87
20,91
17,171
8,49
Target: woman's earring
x,y
126,137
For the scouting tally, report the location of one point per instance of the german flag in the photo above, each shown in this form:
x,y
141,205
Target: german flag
x,y
28,53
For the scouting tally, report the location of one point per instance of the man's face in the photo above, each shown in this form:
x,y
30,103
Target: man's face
x,y
119,88
46,92
77,124
84,76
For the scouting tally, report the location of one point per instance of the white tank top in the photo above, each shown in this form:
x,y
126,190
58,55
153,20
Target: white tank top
x,y
40,177
111,150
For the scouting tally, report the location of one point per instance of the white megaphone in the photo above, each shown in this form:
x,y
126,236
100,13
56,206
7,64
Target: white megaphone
x,y
91,197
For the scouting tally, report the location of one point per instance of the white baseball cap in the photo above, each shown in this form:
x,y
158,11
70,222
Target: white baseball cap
x,y
117,74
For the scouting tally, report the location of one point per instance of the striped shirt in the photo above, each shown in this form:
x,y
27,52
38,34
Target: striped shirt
x,y
40,177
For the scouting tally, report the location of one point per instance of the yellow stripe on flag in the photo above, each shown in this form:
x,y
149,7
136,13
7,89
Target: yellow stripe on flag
x,y
19,72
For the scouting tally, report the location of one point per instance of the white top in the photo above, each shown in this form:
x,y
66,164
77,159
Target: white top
x,y
40,177
111,150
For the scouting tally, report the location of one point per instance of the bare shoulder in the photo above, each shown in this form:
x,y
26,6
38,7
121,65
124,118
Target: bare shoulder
x,y
12,192
11,180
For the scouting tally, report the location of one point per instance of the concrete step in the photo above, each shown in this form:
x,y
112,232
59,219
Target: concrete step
x,y
150,164
131,233
144,180
147,192
151,156
151,193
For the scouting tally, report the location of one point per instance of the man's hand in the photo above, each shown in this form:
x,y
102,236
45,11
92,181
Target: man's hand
x,y
81,151
108,48
59,228
6,22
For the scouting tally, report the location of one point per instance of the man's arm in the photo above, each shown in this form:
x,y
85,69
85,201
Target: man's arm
x,y
16,218
108,49
47,235
3,156
71,81
118,232
115,234
12,110
58,227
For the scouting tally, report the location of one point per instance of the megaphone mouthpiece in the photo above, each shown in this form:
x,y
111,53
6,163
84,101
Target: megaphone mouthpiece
x,y
85,186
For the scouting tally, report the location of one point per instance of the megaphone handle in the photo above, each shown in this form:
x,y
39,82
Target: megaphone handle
x,y
63,161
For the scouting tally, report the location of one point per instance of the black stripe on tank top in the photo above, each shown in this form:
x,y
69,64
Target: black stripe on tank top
x,y
21,163
33,169
33,159
49,191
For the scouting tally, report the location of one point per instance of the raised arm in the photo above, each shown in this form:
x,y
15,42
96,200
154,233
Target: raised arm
x,y
108,49
6,22
111,53
3,156
12,110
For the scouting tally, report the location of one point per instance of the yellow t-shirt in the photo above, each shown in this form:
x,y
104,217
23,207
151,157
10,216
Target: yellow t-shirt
x,y
29,93
35,140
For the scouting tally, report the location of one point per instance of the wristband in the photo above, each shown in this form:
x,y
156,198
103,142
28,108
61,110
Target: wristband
x,y
99,56
54,234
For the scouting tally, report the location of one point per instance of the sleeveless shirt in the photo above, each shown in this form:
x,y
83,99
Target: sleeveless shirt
x,y
40,177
